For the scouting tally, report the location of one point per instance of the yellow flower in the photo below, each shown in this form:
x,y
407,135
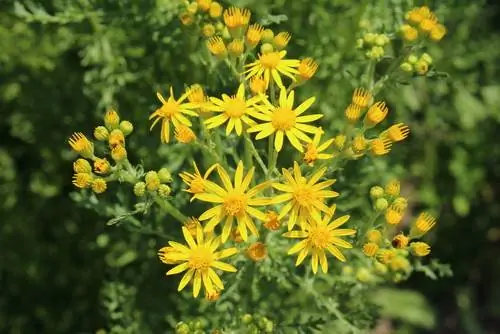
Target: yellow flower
x,y
192,224
359,143
184,134
399,263
234,110
101,166
204,5
118,153
386,255
409,33
361,97
421,67
257,251
116,138
236,17
374,236
370,249
393,188
233,202
381,146
82,166
195,94
314,149
353,112
211,297
420,248
198,259
215,10
257,85
400,203
152,180
393,216
82,180
99,185
321,235
271,65
307,68
217,47
415,15
172,110
305,197
376,114
254,34
80,144
281,40
437,32
284,120
236,47
165,255
424,223
208,30
400,241
272,221
196,182
397,132
429,23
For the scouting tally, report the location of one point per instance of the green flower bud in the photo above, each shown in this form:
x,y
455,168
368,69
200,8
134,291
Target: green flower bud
x,y
198,324
363,275
164,190
192,8
380,268
140,189
426,57
381,40
111,119
406,67
164,175
101,133
412,59
268,36
268,328
381,204
397,278
219,26
182,328
376,192
266,48
126,127
369,37
347,270
82,166
246,319
152,180
359,43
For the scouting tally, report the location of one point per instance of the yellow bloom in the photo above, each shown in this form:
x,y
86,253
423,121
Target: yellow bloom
x,y
118,153
111,119
307,68
172,110
99,186
152,180
236,47
386,255
399,263
321,235
233,202
254,34
215,10
184,134
400,241
393,188
370,249
393,216
208,30
415,15
374,236
409,33
285,120
429,23
376,114
186,18
397,132
437,32
361,97
211,297
198,259
353,112
204,5
272,221
82,180
234,110
101,166
420,248
400,203
314,149
165,255
421,67
80,144
195,181
82,166
271,65
281,40
359,143
257,85
116,138
305,197
195,94
257,251
424,223
236,17
381,146
216,46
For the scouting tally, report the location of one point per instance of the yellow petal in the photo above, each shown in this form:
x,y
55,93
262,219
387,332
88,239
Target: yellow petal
x,y
185,279
178,268
188,237
196,283
223,266
297,247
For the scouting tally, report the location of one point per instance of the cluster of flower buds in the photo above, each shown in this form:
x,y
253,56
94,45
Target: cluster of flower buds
x,y
418,65
422,23
373,44
155,183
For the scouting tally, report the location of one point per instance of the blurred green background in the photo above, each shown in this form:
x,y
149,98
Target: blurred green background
x,y
63,270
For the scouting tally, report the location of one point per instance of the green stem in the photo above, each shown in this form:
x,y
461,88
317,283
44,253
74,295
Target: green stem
x,y
272,156
254,152
172,210
248,150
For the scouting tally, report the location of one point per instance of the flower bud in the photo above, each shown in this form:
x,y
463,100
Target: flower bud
x,y
406,67
82,166
192,8
116,138
266,48
208,30
412,59
363,275
126,127
164,190
139,189
381,204
426,57
215,10
152,180
101,166
246,319
164,175
376,192
268,36
421,67
257,251
182,328
393,188
101,133
111,119
118,153
99,185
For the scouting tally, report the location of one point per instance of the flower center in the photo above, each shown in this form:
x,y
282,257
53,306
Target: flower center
x,y
319,237
283,119
270,60
235,107
234,204
304,196
169,109
200,258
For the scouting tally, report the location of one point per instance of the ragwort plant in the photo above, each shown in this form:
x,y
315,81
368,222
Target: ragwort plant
x,y
263,171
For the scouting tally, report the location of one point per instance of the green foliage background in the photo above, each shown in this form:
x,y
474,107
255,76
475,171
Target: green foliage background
x,y
63,270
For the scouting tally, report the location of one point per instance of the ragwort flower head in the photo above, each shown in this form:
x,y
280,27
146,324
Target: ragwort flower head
x,y
285,120
314,149
235,110
173,111
195,181
198,259
272,65
305,198
236,17
319,236
234,202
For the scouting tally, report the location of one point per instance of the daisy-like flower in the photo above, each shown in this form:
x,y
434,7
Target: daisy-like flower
x,y
233,202
80,144
199,259
271,65
195,181
319,236
285,120
314,149
234,110
305,197
172,110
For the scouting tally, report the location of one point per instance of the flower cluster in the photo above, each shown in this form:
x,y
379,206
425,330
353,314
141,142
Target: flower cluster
x,y
422,23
